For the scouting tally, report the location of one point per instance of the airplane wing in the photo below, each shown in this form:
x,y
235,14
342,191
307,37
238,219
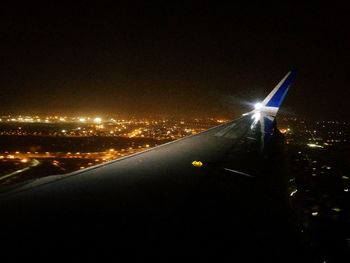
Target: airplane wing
x,y
198,192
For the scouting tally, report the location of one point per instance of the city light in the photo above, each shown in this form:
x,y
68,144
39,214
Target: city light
x,y
336,209
312,145
294,192
98,120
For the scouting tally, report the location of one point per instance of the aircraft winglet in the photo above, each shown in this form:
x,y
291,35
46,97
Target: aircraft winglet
x,y
270,105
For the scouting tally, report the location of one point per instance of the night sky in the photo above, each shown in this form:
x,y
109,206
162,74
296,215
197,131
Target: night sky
x,y
185,59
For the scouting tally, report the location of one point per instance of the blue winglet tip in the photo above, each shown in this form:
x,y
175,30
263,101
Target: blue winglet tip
x,y
280,94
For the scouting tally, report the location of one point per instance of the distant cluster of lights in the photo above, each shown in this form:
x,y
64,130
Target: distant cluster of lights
x,y
97,119
48,119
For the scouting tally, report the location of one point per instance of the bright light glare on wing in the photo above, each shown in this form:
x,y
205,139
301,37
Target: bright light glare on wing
x,y
256,116
258,106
